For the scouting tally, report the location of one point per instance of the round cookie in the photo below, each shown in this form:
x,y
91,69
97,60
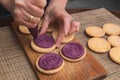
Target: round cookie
x,y
43,43
51,28
94,31
114,40
99,45
50,63
72,51
40,23
115,54
66,39
111,29
24,29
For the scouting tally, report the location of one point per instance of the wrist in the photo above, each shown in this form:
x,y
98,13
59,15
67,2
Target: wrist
x,y
7,4
58,3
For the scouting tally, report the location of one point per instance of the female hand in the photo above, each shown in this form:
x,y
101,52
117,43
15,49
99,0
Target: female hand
x,y
66,23
25,12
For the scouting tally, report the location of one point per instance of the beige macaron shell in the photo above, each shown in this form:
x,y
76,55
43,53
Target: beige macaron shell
x,y
114,40
24,29
53,71
94,31
66,39
115,54
51,28
111,29
99,45
40,49
40,23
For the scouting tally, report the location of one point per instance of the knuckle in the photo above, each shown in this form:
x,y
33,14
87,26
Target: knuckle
x,y
64,17
16,11
16,14
20,3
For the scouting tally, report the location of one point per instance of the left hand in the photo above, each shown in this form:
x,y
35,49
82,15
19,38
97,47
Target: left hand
x,y
64,19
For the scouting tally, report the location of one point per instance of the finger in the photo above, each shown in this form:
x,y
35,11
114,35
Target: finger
x,y
34,10
28,18
23,18
60,37
66,25
74,27
29,7
44,25
21,21
39,3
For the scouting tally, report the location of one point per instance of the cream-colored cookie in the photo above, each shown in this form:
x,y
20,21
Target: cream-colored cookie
x,y
99,45
66,39
40,49
114,40
71,60
51,28
115,54
49,71
24,29
111,29
40,23
94,31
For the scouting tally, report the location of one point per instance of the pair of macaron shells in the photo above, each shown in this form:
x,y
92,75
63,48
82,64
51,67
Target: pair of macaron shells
x,y
53,62
108,28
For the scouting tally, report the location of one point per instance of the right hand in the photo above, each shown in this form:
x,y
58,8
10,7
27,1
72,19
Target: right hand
x,y
22,10
66,24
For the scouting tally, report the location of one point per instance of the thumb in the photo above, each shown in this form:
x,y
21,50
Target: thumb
x,y
74,27
44,26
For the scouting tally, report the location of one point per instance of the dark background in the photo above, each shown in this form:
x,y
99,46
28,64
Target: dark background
x,y
78,4
108,4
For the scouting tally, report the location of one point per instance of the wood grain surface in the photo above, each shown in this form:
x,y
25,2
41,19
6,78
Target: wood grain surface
x,y
86,69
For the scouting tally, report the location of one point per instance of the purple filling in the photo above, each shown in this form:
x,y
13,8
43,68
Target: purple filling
x,y
50,61
34,31
44,41
73,50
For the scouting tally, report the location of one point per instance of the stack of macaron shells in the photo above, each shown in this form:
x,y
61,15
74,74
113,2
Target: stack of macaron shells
x,y
100,45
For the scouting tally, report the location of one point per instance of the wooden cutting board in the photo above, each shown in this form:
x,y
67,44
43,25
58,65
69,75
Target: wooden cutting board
x,y
86,69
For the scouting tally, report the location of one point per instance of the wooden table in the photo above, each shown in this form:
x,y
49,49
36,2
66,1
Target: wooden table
x,y
7,19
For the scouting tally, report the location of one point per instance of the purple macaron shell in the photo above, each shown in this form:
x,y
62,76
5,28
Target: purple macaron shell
x,y
50,61
73,50
44,41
